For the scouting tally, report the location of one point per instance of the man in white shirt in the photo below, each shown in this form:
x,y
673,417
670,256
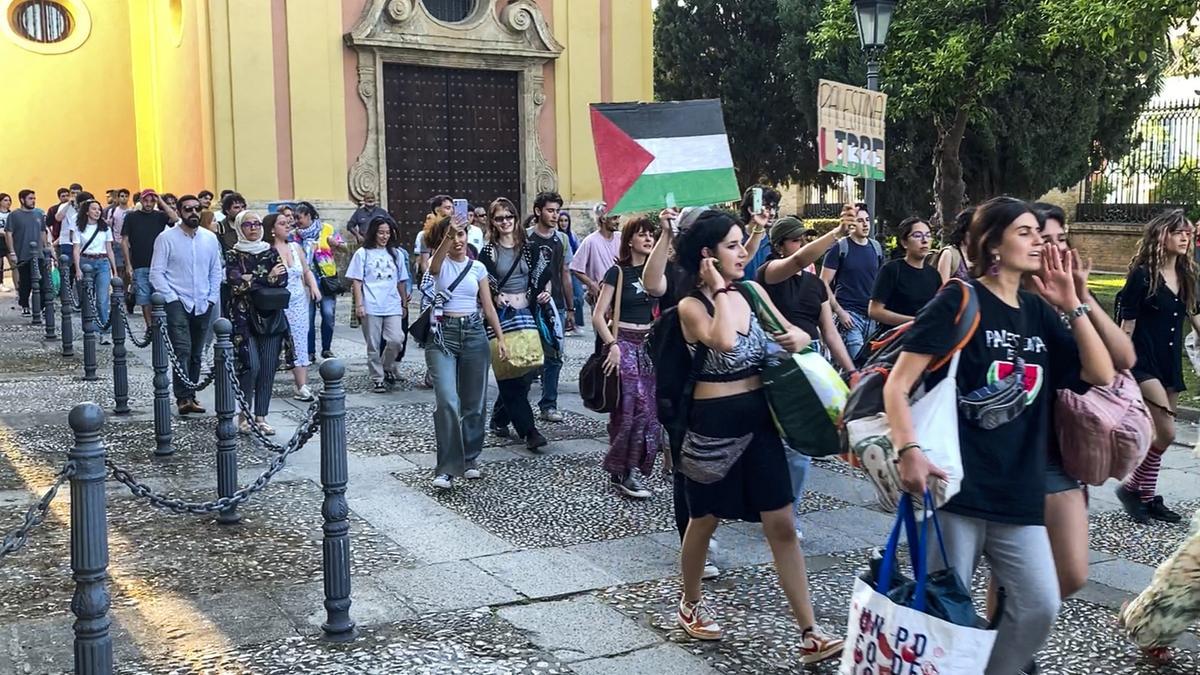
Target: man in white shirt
x,y
186,268
66,216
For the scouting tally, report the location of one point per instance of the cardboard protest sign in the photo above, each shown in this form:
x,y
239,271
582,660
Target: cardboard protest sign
x,y
851,130
653,155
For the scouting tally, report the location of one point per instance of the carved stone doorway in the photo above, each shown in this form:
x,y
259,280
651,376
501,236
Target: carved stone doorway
x,y
491,50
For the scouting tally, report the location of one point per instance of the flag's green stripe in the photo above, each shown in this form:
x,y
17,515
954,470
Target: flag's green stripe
x,y
690,188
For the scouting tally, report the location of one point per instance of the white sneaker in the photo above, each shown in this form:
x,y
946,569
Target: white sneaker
x,y
443,481
473,474
304,394
799,535
711,571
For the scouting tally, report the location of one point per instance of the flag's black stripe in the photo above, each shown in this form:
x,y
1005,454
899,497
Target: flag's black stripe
x,y
666,120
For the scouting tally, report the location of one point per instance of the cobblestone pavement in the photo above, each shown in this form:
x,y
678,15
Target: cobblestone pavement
x,y
539,568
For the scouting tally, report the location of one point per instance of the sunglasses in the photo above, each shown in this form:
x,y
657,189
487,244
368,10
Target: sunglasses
x,y
190,209
504,219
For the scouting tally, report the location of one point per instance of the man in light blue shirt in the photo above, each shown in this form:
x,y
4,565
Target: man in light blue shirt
x,y
187,270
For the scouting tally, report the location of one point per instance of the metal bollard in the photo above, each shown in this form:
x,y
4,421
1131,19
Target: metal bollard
x,y
227,465
89,543
35,280
120,361
338,626
91,331
162,378
48,294
64,298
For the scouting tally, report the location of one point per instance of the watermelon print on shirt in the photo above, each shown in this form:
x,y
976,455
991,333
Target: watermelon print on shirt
x,y
1005,468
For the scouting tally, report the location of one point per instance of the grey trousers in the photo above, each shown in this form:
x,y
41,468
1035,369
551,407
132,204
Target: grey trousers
x,y
390,328
1022,565
458,365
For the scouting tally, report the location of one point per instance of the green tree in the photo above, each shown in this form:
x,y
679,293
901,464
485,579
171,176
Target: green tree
x,y
1032,92
727,49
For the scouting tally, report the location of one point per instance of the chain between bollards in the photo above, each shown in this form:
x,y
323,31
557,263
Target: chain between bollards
x,y
64,298
90,327
162,382
338,626
36,514
227,466
89,543
48,293
120,365
35,279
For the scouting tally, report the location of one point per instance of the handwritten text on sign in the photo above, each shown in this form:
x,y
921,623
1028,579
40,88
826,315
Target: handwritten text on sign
x,y
851,123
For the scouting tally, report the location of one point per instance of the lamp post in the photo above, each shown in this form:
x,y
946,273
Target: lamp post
x,y
874,18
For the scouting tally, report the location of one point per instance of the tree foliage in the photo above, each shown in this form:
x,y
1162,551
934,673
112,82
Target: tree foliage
x,y
986,97
727,49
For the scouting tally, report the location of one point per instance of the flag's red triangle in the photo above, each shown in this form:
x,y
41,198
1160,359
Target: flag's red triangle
x,y
620,158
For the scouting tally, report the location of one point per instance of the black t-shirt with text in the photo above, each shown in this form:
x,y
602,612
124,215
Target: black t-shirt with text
x,y
557,260
637,306
1005,468
905,289
141,228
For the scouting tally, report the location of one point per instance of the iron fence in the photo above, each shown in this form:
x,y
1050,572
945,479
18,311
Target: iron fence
x,y
1161,170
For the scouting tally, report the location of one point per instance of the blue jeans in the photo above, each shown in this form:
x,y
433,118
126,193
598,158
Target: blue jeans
x,y
798,468
577,286
553,364
103,289
857,334
458,367
328,313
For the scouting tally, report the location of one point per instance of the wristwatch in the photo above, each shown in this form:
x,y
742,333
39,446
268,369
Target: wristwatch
x,y
1079,311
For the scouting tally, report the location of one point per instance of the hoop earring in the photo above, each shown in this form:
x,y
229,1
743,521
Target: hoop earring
x,y
994,268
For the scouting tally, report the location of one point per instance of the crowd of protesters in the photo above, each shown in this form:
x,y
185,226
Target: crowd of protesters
x,y
499,293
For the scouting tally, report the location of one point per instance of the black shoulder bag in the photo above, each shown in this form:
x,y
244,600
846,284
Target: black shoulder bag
x,y
422,328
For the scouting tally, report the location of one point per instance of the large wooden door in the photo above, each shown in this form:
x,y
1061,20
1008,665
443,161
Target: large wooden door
x,y
449,131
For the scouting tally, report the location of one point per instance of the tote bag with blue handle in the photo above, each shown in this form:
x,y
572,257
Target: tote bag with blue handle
x,y
896,628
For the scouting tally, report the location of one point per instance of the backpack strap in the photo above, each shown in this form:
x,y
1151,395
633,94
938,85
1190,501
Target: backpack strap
x,y
966,321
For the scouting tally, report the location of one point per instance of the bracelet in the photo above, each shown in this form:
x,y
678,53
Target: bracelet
x,y
757,230
906,447
1079,311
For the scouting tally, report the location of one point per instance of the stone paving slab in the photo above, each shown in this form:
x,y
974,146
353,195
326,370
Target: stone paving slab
x,y
131,445
546,573
277,542
661,660
579,628
388,427
552,501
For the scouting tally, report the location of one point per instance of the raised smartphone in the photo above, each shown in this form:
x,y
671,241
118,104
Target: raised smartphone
x,y
757,194
460,211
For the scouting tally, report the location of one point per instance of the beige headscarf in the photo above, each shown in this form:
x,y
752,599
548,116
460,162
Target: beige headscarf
x,y
244,244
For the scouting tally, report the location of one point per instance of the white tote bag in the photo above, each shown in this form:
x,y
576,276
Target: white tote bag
x,y
882,635
935,420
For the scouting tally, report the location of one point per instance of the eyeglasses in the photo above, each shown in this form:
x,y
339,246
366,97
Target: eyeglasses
x,y
190,209
920,236
503,219
252,224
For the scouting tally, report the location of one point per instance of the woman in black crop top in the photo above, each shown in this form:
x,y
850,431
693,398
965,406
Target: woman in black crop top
x,y
732,460
633,429
1158,298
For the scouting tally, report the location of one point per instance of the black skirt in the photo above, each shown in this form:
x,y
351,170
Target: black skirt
x,y
759,480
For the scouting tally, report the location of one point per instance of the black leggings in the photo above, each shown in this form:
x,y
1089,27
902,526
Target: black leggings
x,y
263,353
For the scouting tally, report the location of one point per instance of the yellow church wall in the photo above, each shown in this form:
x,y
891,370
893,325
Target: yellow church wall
x,y
65,116
170,68
318,115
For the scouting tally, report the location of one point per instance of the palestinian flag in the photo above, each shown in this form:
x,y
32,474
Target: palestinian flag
x,y
652,154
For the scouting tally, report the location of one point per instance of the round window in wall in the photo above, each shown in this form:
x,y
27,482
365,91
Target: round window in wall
x,y
451,11
47,26
43,21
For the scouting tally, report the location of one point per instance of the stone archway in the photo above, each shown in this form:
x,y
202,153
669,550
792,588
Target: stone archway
x,y
515,38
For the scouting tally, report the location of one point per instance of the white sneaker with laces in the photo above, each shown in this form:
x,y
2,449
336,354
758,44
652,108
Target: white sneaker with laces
x,y
473,474
711,571
443,481
304,394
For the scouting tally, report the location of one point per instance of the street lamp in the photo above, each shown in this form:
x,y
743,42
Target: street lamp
x,y
874,18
